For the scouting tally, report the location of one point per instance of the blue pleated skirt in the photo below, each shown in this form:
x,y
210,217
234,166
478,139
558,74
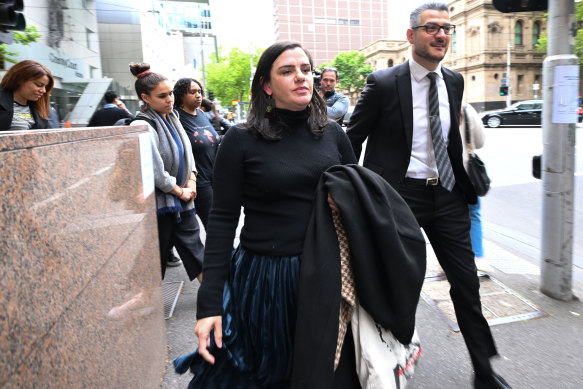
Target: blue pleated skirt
x,y
259,302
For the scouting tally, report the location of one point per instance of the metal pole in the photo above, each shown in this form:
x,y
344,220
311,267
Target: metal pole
x,y
202,59
558,152
508,98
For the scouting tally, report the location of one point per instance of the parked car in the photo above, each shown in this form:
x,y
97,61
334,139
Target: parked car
x,y
524,112
580,113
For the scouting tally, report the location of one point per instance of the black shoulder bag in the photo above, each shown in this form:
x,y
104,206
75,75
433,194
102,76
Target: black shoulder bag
x,y
476,168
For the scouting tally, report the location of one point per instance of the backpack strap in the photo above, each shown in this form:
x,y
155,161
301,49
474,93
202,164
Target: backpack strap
x,y
467,128
148,120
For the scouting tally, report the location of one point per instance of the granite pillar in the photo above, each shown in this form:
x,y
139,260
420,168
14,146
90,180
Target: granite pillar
x,y
80,283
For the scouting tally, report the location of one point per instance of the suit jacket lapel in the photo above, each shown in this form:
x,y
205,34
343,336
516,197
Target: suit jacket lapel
x,y
406,98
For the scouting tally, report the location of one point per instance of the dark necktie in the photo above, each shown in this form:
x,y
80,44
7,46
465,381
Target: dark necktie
x,y
444,169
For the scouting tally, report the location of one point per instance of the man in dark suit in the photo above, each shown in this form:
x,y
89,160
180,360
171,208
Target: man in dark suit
x,y
410,115
113,110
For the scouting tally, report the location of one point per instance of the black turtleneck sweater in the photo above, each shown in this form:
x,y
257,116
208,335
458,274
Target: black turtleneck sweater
x,y
275,182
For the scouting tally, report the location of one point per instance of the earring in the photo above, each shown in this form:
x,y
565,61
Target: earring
x,y
309,108
269,109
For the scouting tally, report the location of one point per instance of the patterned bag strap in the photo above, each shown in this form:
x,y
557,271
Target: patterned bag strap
x,y
348,295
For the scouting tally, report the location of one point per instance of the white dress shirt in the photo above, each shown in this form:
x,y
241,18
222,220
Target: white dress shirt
x,y
422,164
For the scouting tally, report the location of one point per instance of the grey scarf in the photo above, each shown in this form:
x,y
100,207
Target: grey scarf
x,y
169,152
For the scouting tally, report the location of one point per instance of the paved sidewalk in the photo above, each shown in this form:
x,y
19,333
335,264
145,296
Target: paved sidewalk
x,y
540,353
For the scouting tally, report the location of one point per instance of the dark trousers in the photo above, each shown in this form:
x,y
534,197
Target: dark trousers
x,y
444,217
185,236
203,202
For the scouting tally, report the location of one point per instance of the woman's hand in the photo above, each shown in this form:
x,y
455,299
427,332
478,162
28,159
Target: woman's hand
x,y
203,331
192,185
188,194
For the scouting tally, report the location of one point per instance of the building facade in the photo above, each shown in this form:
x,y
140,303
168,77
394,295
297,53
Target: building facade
x,y
479,49
329,27
68,46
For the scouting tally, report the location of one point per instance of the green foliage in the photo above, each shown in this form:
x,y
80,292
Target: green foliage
x,y
230,77
352,71
7,55
25,38
542,44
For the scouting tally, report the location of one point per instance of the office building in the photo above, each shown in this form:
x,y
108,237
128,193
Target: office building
x,y
329,27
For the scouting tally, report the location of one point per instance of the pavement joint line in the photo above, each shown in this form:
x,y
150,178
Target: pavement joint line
x,y
517,303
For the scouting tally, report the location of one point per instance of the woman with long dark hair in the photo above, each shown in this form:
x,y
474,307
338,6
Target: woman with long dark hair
x,y
270,166
174,170
188,94
25,95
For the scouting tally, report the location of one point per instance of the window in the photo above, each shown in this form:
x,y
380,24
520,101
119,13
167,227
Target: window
x,y
519,82
454,42
525,106
390,63
91,40
535,33
518,33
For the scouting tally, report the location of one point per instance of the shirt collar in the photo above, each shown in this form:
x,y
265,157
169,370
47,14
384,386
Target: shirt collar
x,y
109,105
419,72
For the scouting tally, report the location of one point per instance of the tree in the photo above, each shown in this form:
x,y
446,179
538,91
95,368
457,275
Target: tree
x,y
352,70
25,38
541,46
230,77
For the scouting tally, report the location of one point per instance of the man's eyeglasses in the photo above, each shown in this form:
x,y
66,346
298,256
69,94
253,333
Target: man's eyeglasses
x,y
433,29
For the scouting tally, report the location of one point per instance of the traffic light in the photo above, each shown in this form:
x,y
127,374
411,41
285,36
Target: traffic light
x,y
11,17
503,90
520,5
211,94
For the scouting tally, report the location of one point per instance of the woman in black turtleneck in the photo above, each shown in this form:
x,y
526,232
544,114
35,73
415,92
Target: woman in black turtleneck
x,y
271,166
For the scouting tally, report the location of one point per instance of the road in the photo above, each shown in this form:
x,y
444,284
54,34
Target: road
x,y
512,210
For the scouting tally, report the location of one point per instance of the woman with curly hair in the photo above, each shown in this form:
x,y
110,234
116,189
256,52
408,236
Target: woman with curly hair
x,y
175,173
188,96
24,96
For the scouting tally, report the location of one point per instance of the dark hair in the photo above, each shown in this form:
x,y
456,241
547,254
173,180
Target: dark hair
x,y
110,96
181,89
30,70
208,105
273,129
329,69
147,80
415,16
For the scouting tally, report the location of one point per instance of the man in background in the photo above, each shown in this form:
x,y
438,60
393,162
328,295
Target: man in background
x,y
113,110
337,103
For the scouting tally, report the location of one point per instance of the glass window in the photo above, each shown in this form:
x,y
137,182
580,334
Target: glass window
x,y
454,42
518,33
535,33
